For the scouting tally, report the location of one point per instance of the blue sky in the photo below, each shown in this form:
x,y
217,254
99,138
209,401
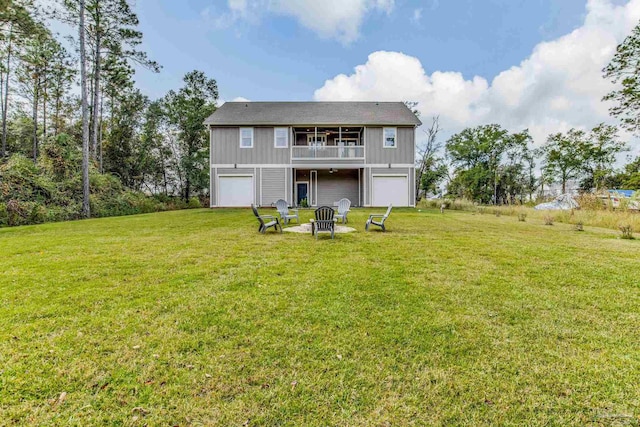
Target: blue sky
x,y
523,64
275,57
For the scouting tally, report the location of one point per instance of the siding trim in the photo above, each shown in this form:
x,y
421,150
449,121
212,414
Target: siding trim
x,y
312,165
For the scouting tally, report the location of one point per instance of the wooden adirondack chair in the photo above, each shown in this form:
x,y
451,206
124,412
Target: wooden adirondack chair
x,y
379,223
266,221
343,210
324,221
283,209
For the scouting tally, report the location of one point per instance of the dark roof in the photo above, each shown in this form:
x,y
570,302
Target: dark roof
x,y
313,113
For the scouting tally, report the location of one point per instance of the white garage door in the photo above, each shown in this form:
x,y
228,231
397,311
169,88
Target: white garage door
x,y
235,191
390,190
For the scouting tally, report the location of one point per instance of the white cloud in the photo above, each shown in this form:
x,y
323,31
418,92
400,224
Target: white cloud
x,y
221,101
337,19
559,86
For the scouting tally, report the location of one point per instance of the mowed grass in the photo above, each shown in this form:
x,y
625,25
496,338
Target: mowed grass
x,y
193,318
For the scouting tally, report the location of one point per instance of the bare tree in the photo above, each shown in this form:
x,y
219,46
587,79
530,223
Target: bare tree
x,y
430,169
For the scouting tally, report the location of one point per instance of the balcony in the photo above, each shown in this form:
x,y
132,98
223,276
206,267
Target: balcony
x,y
324,152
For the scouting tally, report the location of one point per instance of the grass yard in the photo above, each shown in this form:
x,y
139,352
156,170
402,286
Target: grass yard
x,y
193,318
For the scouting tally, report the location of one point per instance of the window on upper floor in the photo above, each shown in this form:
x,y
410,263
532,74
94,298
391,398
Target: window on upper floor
x,y
281,137
390,140
246,137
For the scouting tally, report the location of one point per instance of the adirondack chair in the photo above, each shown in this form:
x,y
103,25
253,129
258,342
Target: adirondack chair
x,y
343,210
380,222
283,209
324,221
271,221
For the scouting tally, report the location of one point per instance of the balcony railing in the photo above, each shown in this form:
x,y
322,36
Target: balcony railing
x,y
326,152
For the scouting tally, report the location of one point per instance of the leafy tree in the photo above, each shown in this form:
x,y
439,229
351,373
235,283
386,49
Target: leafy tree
x,y
37,56
122,142
476,153
62,76
186,111
515,175
629,177
153,153
16,24
623,70
413,106
564,156
600,156
577,154
111,31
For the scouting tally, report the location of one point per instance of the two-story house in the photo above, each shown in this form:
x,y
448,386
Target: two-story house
x,y
312,152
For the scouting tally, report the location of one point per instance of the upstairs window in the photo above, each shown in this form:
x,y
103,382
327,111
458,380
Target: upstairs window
x,y
281,137
390,140
246,137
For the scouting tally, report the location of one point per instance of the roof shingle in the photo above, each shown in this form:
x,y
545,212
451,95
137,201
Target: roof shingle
x,y
313,113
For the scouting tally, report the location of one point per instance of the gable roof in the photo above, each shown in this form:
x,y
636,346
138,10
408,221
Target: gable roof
x,y
313,113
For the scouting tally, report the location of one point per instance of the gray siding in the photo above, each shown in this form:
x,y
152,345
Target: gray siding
x,y
274,185
225,147
404,152
335,186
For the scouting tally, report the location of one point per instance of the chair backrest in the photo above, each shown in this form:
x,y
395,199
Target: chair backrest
x,y
386,215
282,206
324,218
343,205
255,212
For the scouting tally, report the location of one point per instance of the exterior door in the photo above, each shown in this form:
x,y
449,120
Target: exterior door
x,y
302,191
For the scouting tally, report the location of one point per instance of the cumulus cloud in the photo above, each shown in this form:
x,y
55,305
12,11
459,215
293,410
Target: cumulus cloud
x,y
559,86
333,19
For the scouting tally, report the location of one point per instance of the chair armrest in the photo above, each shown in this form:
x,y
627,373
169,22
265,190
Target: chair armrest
x,y
294,210
268,216
376,216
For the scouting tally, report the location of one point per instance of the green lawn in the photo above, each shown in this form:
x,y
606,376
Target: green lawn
x,y
193,318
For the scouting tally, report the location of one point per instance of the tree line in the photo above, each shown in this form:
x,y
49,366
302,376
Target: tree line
x,y
488,164
75,98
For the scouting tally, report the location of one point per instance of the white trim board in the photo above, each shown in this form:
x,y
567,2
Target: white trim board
x,y
312,166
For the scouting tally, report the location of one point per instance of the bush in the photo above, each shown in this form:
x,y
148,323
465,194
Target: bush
x,y
627,231
51,190
194,203
548,220
522,217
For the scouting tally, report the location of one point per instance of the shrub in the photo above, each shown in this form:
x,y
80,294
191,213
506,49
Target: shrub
x,y
497,213
578,226
194,203
627,231
522,217
548,220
